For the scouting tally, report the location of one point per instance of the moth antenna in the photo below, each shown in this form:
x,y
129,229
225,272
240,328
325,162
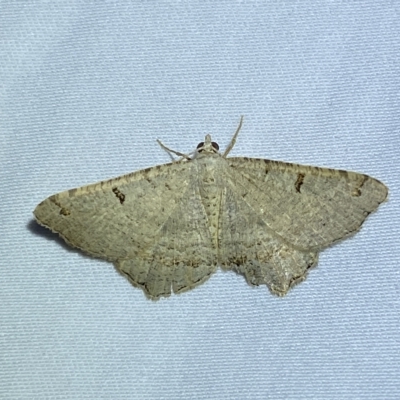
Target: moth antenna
x,y
233,140
168,150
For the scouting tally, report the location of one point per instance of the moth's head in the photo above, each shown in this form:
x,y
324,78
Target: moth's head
x,y
207,146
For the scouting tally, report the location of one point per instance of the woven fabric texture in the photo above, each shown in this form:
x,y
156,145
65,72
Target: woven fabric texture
x,y
87,87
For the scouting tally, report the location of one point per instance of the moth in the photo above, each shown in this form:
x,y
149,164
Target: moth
x,y
168,228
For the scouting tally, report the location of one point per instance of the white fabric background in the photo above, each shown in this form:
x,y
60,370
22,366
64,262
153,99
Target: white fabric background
x,y
88,86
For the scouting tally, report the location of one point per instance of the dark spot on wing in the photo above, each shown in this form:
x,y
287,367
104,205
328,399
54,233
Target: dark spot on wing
x,y
63,211
120,196
356,192
299,182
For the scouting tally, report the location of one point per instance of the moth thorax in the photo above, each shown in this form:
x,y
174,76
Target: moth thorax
x,y
210,193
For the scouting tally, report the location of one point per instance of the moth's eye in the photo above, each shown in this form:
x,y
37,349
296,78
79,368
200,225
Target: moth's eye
x,y
215,145
201,144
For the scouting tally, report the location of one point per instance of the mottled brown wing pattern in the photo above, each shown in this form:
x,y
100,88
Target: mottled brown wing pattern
x,y
168,227
309,207
250,247
150,224
94,219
